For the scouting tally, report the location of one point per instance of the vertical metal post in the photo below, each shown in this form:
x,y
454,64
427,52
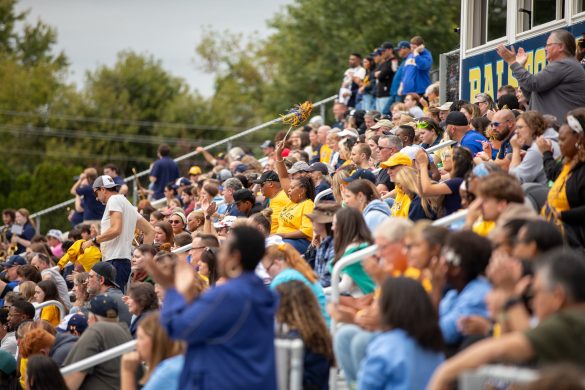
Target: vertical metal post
x,y
322,112
296,364
38,223
135,190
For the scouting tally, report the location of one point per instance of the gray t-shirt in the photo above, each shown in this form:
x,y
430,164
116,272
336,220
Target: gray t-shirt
x,y
121,246
98,338
8,343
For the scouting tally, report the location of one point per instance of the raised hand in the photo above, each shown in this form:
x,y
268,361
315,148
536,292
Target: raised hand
x,y
508,55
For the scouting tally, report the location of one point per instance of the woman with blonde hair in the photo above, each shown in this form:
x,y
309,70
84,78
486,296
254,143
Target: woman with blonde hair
x,y
338,185
80,290
162,356
284,263
27,290
421,207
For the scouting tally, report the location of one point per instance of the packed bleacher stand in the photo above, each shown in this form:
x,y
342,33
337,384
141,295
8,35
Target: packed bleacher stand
x,y
503,284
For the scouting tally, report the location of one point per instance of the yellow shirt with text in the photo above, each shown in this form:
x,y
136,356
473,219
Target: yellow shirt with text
x,y
277,204
293,218
401,204
325,154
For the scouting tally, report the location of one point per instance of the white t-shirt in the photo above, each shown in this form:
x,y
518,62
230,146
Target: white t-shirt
x,y
121,246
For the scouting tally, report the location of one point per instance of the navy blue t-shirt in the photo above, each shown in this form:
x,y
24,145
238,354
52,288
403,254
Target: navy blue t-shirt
x,y
165,170
92,208
416,211
28,232
322,187
452,201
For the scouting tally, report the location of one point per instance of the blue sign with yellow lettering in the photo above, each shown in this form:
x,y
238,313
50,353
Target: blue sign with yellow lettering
x,y
486,72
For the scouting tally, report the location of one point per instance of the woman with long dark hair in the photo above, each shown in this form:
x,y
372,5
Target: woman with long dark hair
x,y
42,373
409,350
298,315
207,266
141,300
46,290
462,164
351,235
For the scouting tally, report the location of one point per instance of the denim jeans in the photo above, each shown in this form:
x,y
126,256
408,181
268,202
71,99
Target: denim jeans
x,y
300,244
368,102
381,102
350,345
123,269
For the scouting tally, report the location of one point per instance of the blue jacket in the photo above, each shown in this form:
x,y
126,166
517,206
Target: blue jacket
x,y
375,213
415,76
229,331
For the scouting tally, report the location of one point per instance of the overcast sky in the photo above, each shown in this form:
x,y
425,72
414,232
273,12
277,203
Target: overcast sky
x,y
92,32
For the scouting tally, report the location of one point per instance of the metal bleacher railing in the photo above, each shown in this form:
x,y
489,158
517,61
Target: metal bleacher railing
x,y
132,179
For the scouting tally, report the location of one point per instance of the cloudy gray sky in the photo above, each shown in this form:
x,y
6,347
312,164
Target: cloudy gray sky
x,y
92,32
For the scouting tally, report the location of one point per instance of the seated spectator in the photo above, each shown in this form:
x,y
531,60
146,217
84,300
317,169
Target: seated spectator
x,y
392,166
80,282
321,179
44,264
141,300
529,168
407,353
7,336
207,266
178,222
322,219
457,128
195,221
42,371
139,273
93,209
424,243
8,374
46,291
27,291
230,186
429,131
155,217
20,311
535,238
565,202
188,199
462,164
246,202
559,297
55,241
293,225
465,256
163,233
35,341
351,235
104,332
102,280
283,263
27,272
362,195
163,357
67,333
11,268
420,207
299,316
249,351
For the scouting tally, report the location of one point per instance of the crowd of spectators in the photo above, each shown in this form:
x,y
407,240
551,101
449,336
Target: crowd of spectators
x,y
504,283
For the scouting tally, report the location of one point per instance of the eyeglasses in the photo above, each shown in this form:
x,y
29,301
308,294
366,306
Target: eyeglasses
x,y
496,124
174,221
552,43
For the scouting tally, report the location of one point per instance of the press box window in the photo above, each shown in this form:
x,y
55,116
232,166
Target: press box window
x,y
533,13
488,21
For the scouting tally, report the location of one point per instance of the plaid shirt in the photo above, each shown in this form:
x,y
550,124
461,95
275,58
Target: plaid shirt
x,y
324,256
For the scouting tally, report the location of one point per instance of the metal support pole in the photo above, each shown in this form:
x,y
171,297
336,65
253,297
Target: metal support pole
x,y
38,223
135,191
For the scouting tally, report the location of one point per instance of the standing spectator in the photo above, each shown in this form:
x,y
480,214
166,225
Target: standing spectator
x,y
118,225
163,171
367,90
23,230
93,210
242,300
353,79
104,332
113,171
407,353
403,49
558,87
416,75
384,74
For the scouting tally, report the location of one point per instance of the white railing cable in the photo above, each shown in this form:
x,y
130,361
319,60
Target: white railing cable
x,y
476,379
186,156
52,303
322,194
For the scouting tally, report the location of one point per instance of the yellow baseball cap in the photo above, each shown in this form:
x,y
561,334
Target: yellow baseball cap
x,y
195,170
397,159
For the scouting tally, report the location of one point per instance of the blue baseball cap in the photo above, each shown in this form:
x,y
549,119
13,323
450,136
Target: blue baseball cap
x,y
403,45
104,305
14,260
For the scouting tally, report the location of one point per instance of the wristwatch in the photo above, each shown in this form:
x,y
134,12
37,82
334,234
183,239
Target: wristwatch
x,y
94,240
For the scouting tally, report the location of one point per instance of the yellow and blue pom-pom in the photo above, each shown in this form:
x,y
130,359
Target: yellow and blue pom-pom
x,y
298,115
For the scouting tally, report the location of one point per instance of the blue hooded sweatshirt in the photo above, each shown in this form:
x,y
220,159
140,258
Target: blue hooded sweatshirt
x,y
415,76
375,213
229,331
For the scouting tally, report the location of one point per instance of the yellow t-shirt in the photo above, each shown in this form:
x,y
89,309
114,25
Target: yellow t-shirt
x,y
277,204
325,154
51,315
401,204
22,379
483,228
293,218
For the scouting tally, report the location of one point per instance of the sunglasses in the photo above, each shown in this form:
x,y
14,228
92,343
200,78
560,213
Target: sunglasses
x,y
174,221
496,124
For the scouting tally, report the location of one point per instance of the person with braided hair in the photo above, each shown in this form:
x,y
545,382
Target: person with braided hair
x,y
298,316
284,263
